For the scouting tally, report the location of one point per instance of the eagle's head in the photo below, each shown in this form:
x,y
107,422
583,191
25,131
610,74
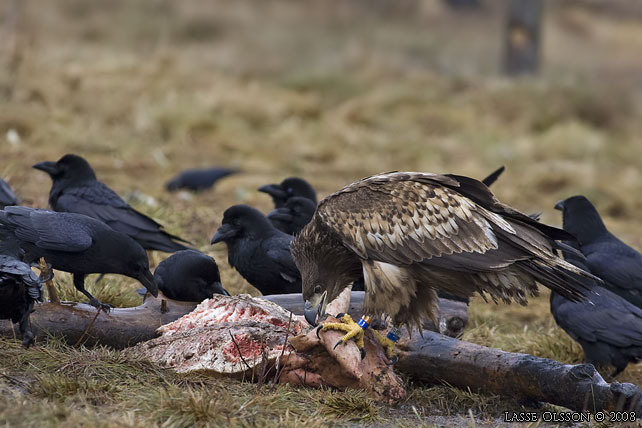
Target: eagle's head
x,y
327,267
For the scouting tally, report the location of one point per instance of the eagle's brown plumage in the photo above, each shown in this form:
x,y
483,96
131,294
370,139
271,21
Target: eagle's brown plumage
x,y
412,233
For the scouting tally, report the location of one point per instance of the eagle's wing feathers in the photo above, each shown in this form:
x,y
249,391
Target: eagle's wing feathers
x,y
454,235
404,222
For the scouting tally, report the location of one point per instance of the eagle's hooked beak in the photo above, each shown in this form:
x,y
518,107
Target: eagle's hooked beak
x,y
313,312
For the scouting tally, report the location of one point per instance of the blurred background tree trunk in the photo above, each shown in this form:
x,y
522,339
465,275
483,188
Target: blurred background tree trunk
x,y
522,36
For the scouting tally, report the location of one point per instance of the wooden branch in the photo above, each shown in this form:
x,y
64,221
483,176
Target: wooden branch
x,y
522,36
437,359
124,327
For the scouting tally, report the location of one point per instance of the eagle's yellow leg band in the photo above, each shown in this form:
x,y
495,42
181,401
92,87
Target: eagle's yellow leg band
x,y
352,329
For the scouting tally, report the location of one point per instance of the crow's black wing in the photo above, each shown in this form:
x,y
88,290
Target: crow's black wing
x,y
13,266
100,202
618,270
608,319
621,274
278,250
7,197
49,230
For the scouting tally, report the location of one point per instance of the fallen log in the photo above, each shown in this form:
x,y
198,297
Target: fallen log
x,y
432,358
123,327
435,358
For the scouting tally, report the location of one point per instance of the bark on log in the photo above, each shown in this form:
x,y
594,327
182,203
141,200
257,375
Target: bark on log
x,y
124,327
435,358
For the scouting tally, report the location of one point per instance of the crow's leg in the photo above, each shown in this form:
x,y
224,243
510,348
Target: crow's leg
x,y
25,328
79,283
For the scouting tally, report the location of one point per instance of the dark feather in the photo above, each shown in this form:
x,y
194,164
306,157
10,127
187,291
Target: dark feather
x,y
7,197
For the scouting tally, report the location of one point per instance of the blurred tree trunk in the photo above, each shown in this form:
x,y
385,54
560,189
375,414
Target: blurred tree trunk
x,y
522,36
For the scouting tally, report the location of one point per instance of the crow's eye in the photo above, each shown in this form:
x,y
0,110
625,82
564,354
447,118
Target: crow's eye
x,y
317,289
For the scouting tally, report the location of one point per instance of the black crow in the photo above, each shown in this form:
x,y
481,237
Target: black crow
x,y
293,216
7,197
75,189
190,276
619,265
77,244
608,328
198,179
20,288
289,188
258,251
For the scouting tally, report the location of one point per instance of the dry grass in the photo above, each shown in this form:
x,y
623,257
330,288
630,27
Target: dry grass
x,y
329,90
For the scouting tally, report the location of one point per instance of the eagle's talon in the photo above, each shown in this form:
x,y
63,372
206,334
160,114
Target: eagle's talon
x,y
388,345
318,329
352,329
363,353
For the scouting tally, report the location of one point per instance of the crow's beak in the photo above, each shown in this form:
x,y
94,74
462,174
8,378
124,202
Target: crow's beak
x,y
49,167
280,214
314,311
273,190
560,205
171,185
223,233
147,279
218,289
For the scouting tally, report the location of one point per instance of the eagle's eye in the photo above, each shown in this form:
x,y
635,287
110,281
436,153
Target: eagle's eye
x,y
317,289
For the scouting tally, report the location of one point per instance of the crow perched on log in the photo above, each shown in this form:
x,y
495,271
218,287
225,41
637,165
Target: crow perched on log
x,y
293,216
77,244
289,188
20,288
411,234
7,197
76,189
617,264
608,328
198,179
189,276
258,251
